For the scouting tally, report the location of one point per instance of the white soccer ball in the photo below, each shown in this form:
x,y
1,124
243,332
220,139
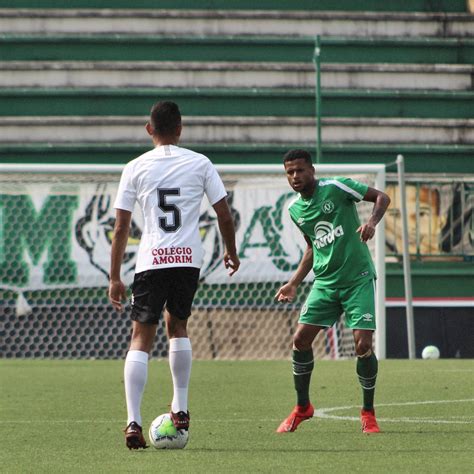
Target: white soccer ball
x,y
430,352
164,435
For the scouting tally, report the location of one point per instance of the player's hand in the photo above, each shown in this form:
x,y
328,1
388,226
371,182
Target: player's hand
x,y
231,262
366,231
286,294
117,294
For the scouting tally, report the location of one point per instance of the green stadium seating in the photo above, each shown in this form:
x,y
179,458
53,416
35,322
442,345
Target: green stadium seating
x,y
372,68
341,5
418,158
239,102
244,48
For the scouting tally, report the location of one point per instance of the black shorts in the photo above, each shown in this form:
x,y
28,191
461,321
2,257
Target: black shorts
x,y
151,289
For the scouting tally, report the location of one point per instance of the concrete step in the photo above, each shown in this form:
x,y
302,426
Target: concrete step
x,y
100,47
234,74
239,130
418,158
270,102
236,22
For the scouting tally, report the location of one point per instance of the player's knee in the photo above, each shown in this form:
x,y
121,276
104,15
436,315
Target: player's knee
x,y
143,336
301,342
363,347
176,327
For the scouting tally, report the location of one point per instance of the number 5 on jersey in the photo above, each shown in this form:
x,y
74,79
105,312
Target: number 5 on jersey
x,y
172,221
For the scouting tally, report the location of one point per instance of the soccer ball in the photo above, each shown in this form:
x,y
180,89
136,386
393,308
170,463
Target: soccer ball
x,y
164,435
430,352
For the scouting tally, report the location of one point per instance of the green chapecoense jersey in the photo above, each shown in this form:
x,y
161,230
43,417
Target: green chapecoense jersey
x,y
330,220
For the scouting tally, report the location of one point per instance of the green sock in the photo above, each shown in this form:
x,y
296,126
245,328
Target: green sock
x,y
303,364
367,368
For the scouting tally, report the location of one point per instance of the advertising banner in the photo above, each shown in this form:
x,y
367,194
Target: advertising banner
x,y
60,235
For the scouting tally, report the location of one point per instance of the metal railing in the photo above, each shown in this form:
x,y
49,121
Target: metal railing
x,y
317,65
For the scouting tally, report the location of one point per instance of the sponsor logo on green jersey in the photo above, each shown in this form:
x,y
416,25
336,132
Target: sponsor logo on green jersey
x,y
326,234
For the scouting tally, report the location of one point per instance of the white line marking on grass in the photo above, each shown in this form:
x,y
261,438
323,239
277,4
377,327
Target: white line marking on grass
x,y
325,413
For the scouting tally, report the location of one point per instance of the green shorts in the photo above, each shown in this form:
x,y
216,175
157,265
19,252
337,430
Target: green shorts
x,y
324,306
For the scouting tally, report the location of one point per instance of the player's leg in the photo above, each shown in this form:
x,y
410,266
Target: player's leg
x,y
303,361
135,377
146,308
367,369
180,361
136,368
359,306
178,309
303,365
319,312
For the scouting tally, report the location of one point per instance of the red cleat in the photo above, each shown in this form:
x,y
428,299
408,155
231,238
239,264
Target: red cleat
x,y
298,415
180,420
368,421
134,437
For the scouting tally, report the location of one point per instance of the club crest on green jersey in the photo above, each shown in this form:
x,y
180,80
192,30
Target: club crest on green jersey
x,y
325,234
327,206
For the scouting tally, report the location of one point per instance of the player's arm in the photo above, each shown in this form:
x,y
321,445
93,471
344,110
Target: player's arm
x,y
381,202
227,229
287,292
117,291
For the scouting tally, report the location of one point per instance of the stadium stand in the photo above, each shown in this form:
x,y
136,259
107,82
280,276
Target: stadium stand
x,y
306,5
388,77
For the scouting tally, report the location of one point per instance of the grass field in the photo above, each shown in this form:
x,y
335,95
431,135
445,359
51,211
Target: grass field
x,y
67,416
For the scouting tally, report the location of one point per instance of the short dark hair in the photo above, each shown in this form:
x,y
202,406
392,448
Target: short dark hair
x,y
296,155
165,118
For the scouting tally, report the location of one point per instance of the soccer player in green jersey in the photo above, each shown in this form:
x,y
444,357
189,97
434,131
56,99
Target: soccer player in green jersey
x,y
325,212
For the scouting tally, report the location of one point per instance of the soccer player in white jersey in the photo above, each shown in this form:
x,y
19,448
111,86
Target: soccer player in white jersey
x,y
168,183
325,213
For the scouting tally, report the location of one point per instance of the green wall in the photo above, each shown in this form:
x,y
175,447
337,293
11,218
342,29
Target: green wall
x,y
122,47
432,279
341,5
418,158
238,102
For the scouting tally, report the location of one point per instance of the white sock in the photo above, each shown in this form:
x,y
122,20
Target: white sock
x,y
135,374
180,364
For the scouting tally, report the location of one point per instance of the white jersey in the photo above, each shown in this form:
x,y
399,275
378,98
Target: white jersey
x,y
169,183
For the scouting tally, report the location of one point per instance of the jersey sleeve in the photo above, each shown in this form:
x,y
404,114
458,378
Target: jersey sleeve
x,y
355,189
294,218
127,193
292,215
213,185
